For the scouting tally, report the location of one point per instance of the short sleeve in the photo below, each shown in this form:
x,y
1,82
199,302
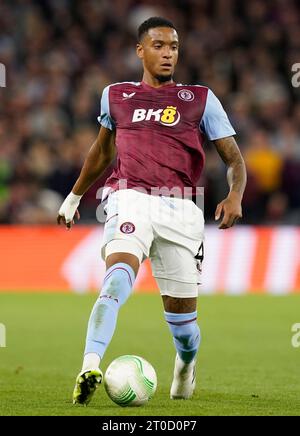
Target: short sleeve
x,y
105,119
215,123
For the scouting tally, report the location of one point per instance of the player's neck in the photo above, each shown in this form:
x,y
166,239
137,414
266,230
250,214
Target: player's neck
x,y
154,82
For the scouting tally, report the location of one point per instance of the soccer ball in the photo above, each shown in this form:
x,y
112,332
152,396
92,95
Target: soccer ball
x,y
130,381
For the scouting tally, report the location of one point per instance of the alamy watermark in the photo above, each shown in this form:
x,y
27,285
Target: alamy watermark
x,y
296,76
2,76
296,336
2,336
169,205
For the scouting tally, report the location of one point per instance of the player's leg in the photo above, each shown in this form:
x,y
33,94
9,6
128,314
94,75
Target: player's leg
x,y
179,305
121,271
181,316
175,265
126,241
175,269
122,268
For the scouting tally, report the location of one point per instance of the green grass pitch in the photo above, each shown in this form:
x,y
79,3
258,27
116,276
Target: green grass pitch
x,y
246,364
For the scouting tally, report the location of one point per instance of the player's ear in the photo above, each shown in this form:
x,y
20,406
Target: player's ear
x,y
139,50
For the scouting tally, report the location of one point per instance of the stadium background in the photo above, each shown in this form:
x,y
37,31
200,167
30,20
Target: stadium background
x,y
59,55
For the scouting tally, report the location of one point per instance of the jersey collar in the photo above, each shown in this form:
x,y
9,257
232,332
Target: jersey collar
x,y
169,85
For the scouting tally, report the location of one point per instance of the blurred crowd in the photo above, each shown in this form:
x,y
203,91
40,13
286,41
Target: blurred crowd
x,y
59,55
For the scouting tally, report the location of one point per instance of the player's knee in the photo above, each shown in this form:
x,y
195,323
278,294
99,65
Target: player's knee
x,y
123,251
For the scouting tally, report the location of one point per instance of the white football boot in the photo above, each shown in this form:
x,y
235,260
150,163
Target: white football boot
x,y
184,381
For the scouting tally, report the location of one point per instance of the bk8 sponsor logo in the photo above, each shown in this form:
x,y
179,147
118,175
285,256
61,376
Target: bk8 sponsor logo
x,y
168,116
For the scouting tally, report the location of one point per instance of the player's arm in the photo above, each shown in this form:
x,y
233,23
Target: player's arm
x,y
218,129
99,157
231,207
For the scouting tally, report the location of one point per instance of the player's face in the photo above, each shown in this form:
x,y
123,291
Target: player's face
x,y
159,52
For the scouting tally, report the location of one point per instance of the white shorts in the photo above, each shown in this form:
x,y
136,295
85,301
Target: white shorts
x,y
167,230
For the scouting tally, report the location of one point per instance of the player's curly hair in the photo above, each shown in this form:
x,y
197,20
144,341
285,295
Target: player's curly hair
x,y
152,22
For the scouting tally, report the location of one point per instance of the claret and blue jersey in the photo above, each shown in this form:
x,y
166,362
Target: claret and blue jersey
x,y
160,132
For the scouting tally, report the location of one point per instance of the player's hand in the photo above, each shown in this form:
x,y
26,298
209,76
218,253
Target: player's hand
x,y
231,209
68,210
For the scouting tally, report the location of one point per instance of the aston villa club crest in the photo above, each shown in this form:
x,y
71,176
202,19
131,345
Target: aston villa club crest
x,y
127,227
186,95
